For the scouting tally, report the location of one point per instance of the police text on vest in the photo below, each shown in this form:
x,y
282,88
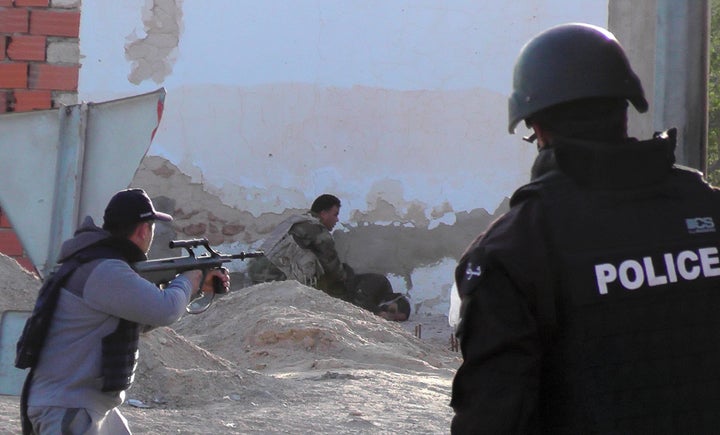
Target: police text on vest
x,y
633,274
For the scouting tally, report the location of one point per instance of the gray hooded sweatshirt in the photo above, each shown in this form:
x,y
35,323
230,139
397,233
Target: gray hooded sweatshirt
x,y
68,371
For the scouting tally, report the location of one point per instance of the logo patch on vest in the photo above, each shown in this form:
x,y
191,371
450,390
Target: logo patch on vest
x,y
471,271
700,225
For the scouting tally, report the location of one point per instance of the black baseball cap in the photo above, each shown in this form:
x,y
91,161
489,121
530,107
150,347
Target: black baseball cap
x,y
131,206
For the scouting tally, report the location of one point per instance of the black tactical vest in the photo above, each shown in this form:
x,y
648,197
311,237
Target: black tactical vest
x,y
637,297
120,348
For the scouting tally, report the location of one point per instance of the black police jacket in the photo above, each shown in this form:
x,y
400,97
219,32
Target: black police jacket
x,y
592,305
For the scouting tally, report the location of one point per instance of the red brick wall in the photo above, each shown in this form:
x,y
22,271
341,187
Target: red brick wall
x,y
29,80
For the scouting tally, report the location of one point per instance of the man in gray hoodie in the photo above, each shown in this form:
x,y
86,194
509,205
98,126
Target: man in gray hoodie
x,y
89,355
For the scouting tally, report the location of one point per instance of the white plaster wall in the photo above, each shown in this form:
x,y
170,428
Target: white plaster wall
x,y
273,102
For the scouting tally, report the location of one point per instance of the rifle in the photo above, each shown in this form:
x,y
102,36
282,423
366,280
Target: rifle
x,y
163,270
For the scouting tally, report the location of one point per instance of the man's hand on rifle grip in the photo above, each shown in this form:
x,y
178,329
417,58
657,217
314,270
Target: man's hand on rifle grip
x,y
217,280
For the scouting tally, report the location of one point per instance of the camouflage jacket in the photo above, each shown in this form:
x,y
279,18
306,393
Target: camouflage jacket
x,y
284,261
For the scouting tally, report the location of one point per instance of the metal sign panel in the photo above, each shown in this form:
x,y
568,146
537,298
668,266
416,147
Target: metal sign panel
x,y
28,161
58,166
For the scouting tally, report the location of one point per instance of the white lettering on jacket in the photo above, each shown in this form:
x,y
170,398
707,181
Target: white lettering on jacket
x,y
670,268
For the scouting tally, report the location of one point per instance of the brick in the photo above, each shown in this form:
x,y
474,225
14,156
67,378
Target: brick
x,y
10,244
3,45
31,3
14,20
55,23
53,77
13,75
6,3
31,100
26,47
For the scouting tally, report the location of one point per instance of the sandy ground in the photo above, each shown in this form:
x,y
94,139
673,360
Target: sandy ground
x,y
278,358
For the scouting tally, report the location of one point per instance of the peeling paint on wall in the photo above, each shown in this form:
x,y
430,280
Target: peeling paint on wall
x,y
432,295
196,213
400,250
418,259
154,55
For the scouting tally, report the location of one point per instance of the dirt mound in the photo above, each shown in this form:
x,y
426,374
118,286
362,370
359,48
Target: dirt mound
x,y
173,371
285,326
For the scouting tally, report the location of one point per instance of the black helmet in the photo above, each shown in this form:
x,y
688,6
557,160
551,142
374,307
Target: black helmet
x,y
569,62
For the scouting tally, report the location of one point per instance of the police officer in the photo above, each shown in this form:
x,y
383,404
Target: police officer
x,y
592,305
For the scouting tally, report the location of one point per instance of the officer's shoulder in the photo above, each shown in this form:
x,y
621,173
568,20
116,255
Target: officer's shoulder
x,y
536,188
687,173
691,177
527,192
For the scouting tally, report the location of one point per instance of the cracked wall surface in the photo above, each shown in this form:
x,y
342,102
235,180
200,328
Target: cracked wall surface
x,y
153,55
